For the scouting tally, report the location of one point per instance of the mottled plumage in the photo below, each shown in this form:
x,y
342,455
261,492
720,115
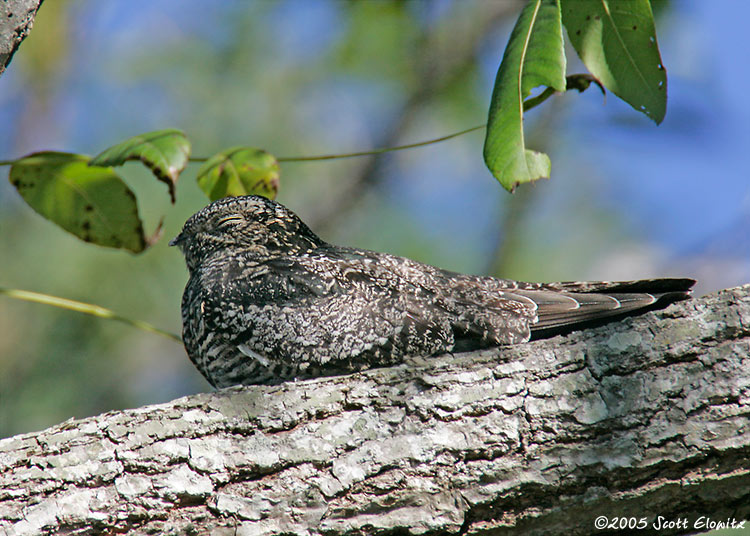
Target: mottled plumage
x,y
269,301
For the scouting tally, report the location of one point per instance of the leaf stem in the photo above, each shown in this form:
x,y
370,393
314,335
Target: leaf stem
x,y
365,153
85,308
381,150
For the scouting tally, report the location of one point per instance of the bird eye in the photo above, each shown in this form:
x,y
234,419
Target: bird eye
x,y
228,220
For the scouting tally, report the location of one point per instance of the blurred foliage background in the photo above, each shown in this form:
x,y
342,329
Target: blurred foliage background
x,y
298,77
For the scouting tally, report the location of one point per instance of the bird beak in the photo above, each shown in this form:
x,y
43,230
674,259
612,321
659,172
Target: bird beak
x,y
177,240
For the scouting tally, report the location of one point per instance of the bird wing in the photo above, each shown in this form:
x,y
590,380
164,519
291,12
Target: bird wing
x,y
578,304
479,310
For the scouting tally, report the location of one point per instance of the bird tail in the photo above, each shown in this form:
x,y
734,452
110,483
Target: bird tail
x,y
562,307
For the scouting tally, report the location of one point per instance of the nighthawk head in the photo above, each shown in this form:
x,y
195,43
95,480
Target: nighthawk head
x,y
251,224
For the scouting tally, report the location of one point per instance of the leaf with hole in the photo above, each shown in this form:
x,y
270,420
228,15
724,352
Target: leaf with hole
x,y
617,42
239,171
90,202
533,57
164,152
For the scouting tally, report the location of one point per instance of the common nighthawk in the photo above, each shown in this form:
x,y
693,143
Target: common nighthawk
x,y
268,300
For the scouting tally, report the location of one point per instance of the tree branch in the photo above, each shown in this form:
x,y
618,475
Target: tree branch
x,y
641,418
15,25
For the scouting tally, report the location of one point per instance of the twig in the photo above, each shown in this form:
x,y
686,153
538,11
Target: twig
x,y
85,308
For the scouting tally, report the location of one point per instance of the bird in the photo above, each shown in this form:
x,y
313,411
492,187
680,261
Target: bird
x,y
268,301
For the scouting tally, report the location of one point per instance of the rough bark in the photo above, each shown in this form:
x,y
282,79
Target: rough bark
x,y
641,418
15,24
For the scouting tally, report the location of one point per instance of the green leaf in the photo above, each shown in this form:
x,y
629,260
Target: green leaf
x,y
91,202
534,57
239,171
617,42
164,152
